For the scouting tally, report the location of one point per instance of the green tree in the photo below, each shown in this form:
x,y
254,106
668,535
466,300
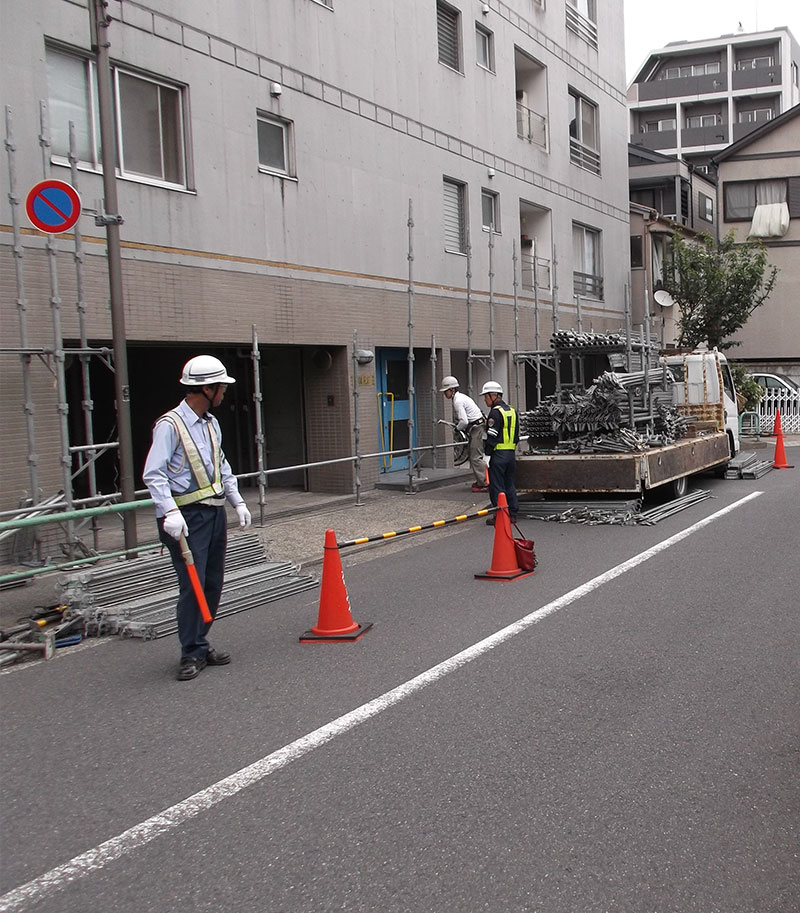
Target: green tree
x,y
716,286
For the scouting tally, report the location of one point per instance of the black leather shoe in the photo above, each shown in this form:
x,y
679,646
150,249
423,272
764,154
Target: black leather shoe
x,y
190,668
217,657
490,521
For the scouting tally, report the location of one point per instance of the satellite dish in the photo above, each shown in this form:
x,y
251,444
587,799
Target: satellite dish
x,y
663,297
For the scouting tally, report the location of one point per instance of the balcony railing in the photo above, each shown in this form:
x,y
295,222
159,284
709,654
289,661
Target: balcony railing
x,y
528,264
581,26
585,284
583,156
531,126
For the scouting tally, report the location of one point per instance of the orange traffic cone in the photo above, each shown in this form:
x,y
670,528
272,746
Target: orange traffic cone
x,y
780,451
334,621
504,555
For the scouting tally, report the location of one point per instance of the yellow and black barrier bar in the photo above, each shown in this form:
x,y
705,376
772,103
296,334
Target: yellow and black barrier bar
x,y
416,529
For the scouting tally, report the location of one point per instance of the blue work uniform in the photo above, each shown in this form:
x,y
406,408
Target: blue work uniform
x,y
502,437
170,480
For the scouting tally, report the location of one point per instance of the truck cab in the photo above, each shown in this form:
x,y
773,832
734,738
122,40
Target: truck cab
x,y
704,384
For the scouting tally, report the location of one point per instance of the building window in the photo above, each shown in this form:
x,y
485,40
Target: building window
x,y
148,114
756,116
587,278
455,222
583,144
490,213
794,74
582,20
703,120
274,145
706,207
658,126
765,202
753,63
637,252
484,41
449,44
695,69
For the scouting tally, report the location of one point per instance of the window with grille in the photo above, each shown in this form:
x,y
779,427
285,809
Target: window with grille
x,y
583,138
455,224
274,144
148,115
587,276
449,46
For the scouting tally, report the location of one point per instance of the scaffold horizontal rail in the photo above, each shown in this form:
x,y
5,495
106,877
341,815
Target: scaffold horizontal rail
x,y
393,534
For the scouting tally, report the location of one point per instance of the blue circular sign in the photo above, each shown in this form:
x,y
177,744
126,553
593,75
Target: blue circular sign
x,y
53,206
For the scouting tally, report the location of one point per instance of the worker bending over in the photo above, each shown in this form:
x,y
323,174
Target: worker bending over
x,y
470,420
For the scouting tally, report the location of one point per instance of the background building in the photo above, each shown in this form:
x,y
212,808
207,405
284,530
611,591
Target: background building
x,y
266,162
759,197
693,98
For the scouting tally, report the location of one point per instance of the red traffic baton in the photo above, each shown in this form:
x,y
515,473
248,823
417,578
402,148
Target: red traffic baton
x,y
188,557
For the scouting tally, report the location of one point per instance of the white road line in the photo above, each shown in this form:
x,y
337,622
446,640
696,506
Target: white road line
x,y
95,859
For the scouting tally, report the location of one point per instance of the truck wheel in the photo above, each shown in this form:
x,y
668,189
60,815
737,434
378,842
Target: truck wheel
x,y
680,487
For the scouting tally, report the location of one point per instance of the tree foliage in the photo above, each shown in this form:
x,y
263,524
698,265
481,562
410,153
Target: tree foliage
x,y
716,286
750,390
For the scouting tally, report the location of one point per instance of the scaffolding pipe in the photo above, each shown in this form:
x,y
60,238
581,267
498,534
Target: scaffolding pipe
x,y
516,317
434,398
470,380
410,346
22,309
491,300
58,341
356,422
99,24
628,327
87,404
258,399
536,339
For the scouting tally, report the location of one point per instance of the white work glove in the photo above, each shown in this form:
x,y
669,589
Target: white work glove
x,y
486,459
175,525
244,516
462,425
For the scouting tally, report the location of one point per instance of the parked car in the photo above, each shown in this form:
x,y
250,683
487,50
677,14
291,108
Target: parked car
x,y
778,382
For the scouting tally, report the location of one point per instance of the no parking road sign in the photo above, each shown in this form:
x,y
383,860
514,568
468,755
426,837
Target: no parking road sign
x,y
53,206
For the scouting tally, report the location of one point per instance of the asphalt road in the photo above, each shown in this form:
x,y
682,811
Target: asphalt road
x,y
627,742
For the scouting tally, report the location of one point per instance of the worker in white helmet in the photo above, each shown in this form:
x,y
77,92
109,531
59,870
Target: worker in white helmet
x,y
502,437
190,481
470,420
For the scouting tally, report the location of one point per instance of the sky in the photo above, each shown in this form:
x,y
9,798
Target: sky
x,y
650,25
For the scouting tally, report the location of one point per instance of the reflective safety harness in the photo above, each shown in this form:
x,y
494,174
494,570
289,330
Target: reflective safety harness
x,y
206,488
509,427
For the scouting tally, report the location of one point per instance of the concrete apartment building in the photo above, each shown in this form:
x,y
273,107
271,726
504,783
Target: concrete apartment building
x,y
759,194
694,98
267,156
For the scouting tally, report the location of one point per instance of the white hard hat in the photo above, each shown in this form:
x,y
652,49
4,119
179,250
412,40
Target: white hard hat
x,y
491,386
449,383
204,370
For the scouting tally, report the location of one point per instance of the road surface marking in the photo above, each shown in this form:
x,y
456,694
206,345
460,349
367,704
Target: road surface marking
x,y
95,859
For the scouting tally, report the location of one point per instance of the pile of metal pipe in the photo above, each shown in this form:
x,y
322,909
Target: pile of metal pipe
x,y
137,598
597,514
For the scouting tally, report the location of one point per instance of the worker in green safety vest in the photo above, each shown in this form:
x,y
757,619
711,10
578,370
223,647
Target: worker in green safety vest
x,y
502,437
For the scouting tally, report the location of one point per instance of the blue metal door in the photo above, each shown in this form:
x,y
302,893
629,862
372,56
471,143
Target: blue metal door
x,y
392,387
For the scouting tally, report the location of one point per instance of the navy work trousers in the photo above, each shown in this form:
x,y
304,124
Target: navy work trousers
x,y
502,470
208,539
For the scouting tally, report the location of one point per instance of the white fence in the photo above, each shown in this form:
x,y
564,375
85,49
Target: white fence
x,y
789,406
